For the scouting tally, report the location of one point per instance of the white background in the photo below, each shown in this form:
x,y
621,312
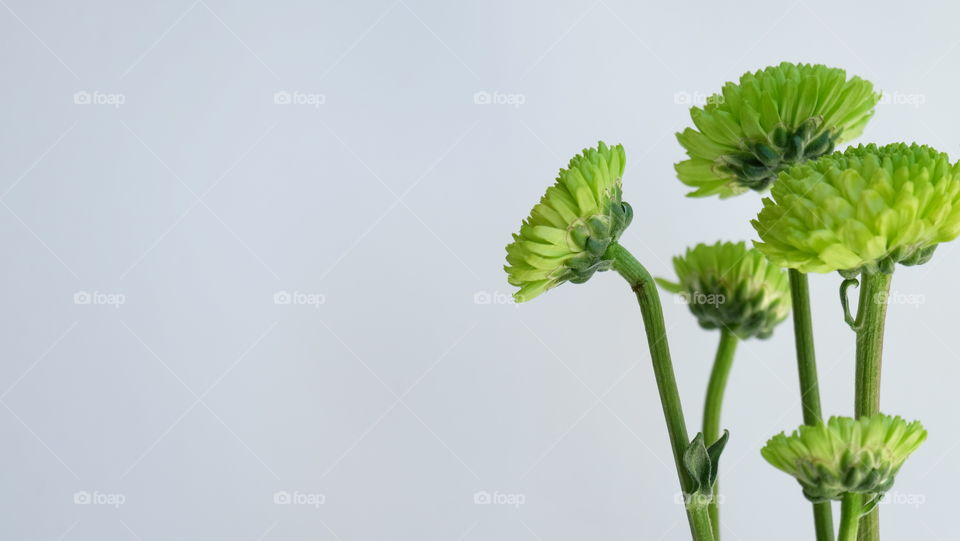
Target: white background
x,y
389,194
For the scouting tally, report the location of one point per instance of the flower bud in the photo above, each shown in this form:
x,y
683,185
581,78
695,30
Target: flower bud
x,y
846,455
771,119
567,234
862,210
729,286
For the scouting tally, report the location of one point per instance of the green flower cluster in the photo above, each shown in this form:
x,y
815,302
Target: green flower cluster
x,y
845,455
771,119
729,286
864,209
567,234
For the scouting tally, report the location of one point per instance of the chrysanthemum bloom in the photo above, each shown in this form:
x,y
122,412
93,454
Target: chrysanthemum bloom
x,y
864,209
776,117
846,455
569,230
729,286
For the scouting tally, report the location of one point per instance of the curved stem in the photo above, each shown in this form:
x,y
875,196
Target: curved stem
x,y
851,510
712,406
845,304
871,315
809,384
646,290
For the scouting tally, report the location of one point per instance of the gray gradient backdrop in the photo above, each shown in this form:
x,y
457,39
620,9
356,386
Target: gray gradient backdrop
x,y
155,386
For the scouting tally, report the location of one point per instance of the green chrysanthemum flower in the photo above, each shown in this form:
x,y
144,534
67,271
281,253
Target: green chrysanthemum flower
x,y
728,285
568,232
845,455
776,117
864,209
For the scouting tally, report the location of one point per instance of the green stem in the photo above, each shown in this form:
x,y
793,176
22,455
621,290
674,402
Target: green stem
x,y
712,406
718,382
851,510
871,315
649,299
700,522
809,385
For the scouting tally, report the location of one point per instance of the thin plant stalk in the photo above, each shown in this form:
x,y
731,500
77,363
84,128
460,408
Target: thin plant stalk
x,y
713,405
871,315
809,384
644,287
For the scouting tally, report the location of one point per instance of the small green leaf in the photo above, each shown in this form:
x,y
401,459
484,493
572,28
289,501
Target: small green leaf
x,y
715,449
698,464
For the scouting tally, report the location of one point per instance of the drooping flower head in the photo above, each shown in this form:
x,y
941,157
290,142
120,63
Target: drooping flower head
x,y
864,209
845,455
727,285
771,119
568,232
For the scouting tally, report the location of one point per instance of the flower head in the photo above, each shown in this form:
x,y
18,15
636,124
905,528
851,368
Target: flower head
x,y
771,119
730,286
568,232
864,209
845,455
